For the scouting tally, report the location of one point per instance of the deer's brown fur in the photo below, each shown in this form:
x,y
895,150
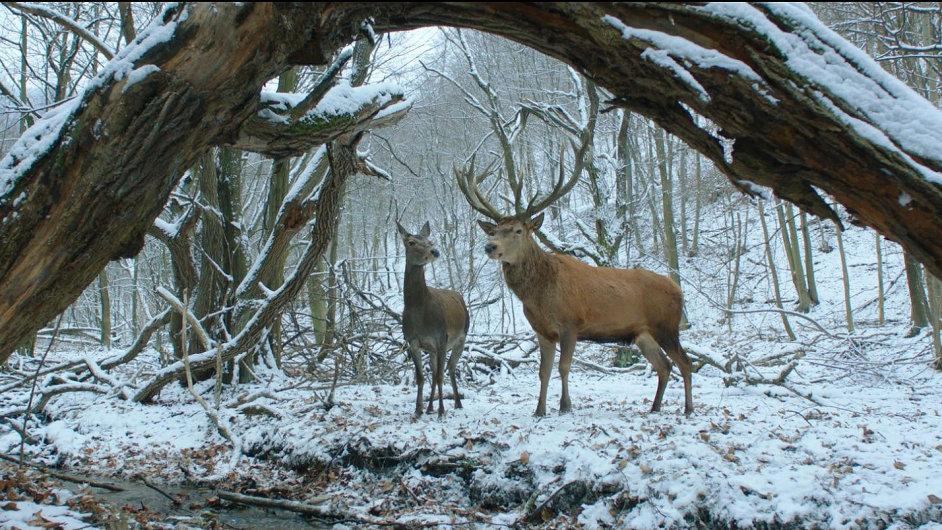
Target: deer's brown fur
x,y
565,300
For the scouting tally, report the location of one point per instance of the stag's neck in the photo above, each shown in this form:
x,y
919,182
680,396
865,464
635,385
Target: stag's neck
x,y
529,277
416,291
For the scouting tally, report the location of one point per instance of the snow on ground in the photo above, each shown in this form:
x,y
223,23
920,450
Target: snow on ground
x,y
870,454
29,515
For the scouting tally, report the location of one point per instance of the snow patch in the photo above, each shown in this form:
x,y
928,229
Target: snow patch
x,y
139,74
669,47
61,436
340,100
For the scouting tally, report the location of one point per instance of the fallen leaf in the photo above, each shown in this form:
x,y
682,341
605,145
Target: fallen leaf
x,y
934,499
899,465
524,457
705,436
646,469
10,506
42,522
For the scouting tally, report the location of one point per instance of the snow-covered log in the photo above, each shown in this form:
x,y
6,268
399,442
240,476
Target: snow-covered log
x,y
343,110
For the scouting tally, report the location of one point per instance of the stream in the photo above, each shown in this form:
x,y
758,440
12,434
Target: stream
x,y
227,515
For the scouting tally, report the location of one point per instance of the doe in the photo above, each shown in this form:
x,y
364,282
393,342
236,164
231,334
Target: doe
x,y
433,320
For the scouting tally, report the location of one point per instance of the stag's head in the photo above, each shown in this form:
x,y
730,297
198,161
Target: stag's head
x,y
509,238
419,250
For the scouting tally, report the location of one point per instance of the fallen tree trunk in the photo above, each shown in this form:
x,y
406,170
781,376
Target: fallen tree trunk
x,y
84,184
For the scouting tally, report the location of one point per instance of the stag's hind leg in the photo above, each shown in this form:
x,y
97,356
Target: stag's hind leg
x,y
652,352
452,366
680,358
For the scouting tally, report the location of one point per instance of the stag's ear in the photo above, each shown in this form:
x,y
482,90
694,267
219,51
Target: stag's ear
x,y
489,228
402,231
536,222
426,230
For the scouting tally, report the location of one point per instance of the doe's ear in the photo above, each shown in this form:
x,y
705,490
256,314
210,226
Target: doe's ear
x,y
489,228
402,231
426,230
536,222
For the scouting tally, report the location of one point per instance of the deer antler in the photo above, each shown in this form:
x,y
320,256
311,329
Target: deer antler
x,y
507,133
586,135
469,182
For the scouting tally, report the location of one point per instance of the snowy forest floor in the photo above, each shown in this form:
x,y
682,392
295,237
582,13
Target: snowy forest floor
x,y
860,447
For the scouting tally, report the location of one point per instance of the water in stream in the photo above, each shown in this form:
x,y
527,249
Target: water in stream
x,y
228,515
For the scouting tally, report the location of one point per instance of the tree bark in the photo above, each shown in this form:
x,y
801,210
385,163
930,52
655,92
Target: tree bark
x,y
773,274
919,307
667,206
105,299
794,262
845,276
881,296
809,259
81,202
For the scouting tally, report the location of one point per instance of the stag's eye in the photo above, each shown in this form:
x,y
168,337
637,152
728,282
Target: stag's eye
x,y
519,231
411,243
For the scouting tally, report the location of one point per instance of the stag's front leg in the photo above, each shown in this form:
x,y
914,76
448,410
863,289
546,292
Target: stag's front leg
x,y
567,345
419,378
547,352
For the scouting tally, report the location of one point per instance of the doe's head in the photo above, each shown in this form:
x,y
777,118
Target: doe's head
x,y
509,237
419,250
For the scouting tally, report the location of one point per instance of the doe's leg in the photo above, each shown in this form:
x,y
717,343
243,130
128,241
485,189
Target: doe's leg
x,y
416,355
452,365
440,377
433,364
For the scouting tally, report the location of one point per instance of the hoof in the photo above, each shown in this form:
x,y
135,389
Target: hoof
x,y
565,406
540,412
458,405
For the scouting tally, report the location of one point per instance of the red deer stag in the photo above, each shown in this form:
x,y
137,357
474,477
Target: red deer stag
x,y
433,320
566,300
